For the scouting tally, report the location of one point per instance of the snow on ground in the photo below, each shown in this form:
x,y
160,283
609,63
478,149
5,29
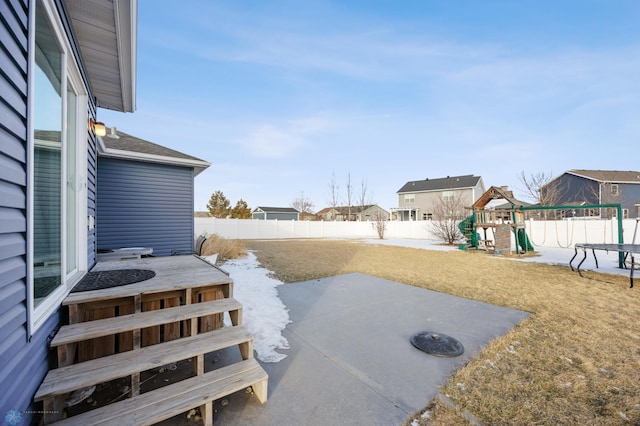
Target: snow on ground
x,y
263,313
607,262
265,316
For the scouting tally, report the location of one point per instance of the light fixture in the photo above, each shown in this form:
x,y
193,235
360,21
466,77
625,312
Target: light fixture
x,y
112,133
98,127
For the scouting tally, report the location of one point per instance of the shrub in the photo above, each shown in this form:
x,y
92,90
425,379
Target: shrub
x,y
226,249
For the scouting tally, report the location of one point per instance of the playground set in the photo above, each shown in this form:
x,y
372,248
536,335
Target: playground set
x,y
496,224
491,229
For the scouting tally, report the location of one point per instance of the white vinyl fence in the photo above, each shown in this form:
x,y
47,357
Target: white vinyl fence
x,y
560,233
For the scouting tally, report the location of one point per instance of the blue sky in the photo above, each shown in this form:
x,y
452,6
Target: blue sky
x,y
280,95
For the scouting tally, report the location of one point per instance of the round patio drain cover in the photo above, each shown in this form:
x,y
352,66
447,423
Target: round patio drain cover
x,y
437,344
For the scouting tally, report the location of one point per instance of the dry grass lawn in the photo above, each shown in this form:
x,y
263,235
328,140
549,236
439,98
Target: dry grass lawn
x,y
574,361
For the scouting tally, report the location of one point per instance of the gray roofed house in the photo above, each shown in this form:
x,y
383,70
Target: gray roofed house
x,y
439,184
416,199
579,186
280,213
368,212
145,195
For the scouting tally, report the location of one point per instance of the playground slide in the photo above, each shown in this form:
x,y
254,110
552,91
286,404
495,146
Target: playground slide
x,y
468,230
523,241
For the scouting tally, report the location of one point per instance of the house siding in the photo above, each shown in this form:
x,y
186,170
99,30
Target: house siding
x,y
24,359
92,192
275,216
23,362
573,189
426,201
145,205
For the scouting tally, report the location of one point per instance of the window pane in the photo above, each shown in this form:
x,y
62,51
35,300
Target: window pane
x,y
47,189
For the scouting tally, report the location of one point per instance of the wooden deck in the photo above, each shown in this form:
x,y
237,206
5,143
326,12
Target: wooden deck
x,y
125,330
172,273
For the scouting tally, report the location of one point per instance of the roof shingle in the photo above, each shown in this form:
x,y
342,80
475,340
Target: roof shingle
x,y
450,182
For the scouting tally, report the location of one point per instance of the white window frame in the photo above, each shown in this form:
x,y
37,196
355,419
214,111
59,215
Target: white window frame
x,y
38,315
448,195
614,189
409,198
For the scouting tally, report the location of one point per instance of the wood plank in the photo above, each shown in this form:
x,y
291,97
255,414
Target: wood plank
x,y
163,295
77,376
171,330
125,338
89,330
151,335
152,407
172,273
214,321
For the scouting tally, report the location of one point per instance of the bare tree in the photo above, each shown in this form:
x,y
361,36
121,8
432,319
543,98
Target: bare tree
x,y
364,198
540,188
447,214
302,203
349,195
334,192
379,224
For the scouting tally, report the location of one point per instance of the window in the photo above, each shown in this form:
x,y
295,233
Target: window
x,y
409,198
57,167
625,213
448,195
614,189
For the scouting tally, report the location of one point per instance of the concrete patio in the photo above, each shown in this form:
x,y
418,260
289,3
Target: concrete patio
x,y
351,361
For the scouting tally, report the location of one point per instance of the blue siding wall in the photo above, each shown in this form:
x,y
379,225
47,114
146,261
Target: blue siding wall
x,y
24,359
145,205
23,364
282,216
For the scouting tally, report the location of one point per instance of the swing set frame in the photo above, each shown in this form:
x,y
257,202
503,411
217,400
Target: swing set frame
x,y
618,208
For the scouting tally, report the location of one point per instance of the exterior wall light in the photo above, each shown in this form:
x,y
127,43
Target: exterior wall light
x,y
98,127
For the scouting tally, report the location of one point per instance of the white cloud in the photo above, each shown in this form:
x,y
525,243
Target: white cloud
x,y
278,141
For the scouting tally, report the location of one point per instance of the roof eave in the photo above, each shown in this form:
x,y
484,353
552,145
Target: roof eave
x,y
126,14
107,39
198,165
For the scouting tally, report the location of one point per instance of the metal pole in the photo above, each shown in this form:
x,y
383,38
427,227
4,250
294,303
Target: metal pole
x,y
618,208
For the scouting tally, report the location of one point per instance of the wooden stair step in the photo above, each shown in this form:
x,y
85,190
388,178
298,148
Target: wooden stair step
x,y
160,404
67,379
78,332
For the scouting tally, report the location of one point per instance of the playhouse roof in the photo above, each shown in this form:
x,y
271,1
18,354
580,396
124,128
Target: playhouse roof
x,y
494,193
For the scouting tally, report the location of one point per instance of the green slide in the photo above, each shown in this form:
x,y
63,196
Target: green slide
x,y
523,240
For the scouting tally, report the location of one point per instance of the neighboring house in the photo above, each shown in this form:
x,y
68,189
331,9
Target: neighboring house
x,y
308,216
60,60
280,213
576,187
369,212
145,196
418,199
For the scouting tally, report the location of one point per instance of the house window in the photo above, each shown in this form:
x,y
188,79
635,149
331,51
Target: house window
x,y
448,195
409,198
58,167
625,213
614,189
